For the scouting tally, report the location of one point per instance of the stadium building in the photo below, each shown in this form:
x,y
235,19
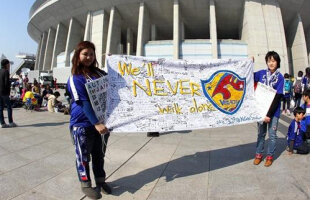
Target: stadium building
x,y
177,29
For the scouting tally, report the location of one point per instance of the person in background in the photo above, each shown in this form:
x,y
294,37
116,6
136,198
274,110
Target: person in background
x,y
273,78
89,134
46,92
306,79
20,81
55,84
25,81
287,94
295,137
29,95
298,88
52,103
5,89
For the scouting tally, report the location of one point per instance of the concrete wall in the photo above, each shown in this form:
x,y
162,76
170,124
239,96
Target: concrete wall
x,y
196,49
275,32
74,37
297,44
159,49
60,43
263,31
232,49
254,32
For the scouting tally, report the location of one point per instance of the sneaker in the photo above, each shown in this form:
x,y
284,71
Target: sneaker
x,y
12,125
152,134
288,112
105,188
4,126
258,159
269,161
283,112
91,193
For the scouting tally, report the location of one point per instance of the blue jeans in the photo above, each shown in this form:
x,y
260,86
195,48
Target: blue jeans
x,y
272,131
5,100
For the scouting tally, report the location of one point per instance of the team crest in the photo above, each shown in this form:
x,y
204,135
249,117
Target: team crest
x,y
225,90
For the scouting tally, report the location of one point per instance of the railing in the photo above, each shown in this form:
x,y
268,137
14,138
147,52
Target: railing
x,y
37,4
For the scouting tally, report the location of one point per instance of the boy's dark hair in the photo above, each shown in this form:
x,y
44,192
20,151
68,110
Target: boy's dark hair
x,y
274,55
286,75
299,110
56,94
300,73
306,93
4,62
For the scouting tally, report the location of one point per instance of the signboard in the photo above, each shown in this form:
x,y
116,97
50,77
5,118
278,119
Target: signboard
x,y
147,94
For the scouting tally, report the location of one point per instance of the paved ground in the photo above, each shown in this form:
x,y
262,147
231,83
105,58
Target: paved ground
x,y
37,163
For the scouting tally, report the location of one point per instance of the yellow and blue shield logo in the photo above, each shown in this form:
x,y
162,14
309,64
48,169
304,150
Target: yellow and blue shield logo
x,y
225,90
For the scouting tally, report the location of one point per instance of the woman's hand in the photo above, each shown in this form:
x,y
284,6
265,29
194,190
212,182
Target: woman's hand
x,y
267,119
101,128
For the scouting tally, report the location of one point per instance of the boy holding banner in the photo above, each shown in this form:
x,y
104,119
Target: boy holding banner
x,y
273,78
89,134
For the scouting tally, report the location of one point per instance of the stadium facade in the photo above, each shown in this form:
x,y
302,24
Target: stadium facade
x,y
178,29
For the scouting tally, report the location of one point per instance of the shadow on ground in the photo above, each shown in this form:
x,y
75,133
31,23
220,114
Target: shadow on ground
x,y
191,165
46,124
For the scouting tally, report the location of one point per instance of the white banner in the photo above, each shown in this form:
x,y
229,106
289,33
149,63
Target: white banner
x,y
163,95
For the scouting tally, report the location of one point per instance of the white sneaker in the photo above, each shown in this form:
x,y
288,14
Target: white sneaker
x,y
12,125
288,112
283,112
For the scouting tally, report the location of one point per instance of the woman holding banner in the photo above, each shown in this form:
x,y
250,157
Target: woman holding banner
x,y
89,134
273,78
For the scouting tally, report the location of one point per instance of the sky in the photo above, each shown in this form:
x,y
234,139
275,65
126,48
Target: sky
x,y
14,37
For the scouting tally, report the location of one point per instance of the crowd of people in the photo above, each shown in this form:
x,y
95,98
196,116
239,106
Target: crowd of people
x,y
32,96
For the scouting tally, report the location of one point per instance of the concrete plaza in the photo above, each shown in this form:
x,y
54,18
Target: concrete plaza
x,y
37,162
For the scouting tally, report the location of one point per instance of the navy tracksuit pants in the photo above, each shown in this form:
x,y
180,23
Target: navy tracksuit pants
x,y
89,144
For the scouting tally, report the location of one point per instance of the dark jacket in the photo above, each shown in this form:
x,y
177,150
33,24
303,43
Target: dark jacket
x,y
5,85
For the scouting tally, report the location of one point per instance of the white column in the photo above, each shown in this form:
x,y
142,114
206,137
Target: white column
x,y
176,29
254,32
153,32
73,38
49,49
42,51
143,29
36,66
276,39
98,34
129,41
60,43
88,27
213,31
297,42
114,32
308,45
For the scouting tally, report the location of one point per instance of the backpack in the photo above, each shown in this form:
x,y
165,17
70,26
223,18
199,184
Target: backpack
x,y
298,87
287,86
